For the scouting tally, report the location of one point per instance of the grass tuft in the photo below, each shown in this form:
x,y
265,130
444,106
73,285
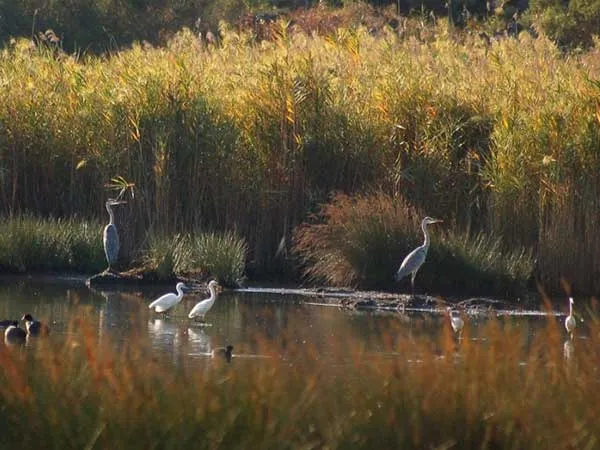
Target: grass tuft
x,y
29,244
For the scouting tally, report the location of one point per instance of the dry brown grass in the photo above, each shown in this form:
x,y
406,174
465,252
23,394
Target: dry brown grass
x,y
511,388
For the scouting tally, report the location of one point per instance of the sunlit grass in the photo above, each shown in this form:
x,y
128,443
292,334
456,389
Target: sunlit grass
x,y
509,390
218,255
29,244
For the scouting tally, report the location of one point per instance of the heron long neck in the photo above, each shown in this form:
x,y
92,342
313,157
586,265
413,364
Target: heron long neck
x,y
179,292
570,308
426,234
110,215
213,295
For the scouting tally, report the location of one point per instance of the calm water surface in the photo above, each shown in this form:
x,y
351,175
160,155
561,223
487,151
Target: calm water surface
x,y
242,319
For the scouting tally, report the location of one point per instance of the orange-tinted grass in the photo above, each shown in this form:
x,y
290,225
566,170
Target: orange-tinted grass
x,y
507,389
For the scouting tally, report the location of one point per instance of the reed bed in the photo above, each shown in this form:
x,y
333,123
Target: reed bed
x,y
497,137
510,390
361,241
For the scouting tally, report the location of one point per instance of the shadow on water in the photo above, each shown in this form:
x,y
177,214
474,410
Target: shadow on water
x,y
244,318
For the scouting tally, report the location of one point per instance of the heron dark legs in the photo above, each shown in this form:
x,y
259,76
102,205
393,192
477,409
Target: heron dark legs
x,y
412,282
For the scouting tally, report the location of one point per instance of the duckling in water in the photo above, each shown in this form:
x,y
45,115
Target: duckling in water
x,y
35,327
14,334
223,352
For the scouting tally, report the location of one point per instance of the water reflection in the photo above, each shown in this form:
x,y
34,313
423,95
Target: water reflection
x,y
242,319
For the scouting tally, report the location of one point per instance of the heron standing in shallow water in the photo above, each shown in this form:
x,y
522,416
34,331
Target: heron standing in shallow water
x,y
415,259
199,311
167,301
570,322
111,236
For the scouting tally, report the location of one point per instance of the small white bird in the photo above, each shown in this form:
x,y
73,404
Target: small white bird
x,y
167,301
14,334
201,308
455,321
570,322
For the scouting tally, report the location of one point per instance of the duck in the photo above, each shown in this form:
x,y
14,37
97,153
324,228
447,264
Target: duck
x,y
167,301
201,308
14,334
223,352
34,327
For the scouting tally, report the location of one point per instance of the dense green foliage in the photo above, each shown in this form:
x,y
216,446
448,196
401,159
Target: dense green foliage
x,y
28,244
510,390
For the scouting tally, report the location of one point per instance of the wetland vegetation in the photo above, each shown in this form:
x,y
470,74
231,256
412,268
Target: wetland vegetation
x,y
509,388
255,136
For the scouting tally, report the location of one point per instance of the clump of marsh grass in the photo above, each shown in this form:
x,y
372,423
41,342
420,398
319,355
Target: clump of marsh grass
x,y
219,255
478,264
356,240
361,241
222,255
509,390
30,244
168,256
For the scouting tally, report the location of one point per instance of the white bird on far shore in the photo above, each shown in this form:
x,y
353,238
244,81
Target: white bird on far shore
x,y
570,322
456,321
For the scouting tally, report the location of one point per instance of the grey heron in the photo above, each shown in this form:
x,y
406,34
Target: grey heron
x,y
111,236
415,259
201,308
34,327
570,322
14,334
167,301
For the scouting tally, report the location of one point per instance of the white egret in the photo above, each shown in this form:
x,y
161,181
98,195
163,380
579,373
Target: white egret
x,y
14,334
201,308
34,327
223,352
415,259
167,301
110,236
570,322
456,321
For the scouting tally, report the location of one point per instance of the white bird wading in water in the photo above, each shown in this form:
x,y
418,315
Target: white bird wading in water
x,y
415,259
570,322
199,311
456,321
167,301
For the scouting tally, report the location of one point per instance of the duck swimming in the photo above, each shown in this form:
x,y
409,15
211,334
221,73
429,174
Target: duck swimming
x,y
14,334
